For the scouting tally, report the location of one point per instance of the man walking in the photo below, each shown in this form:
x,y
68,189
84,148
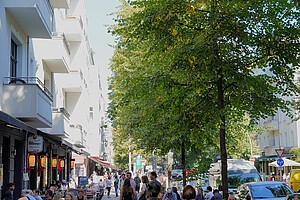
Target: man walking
x,y
137,181
153,177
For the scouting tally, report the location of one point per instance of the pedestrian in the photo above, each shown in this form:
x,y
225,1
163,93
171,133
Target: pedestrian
x,y
145,182
231,197
153,178
189,193
116,184
127,191
209,193
169,195
49,195
80,195
36,194
101,186
217,195
9,194
121,180
137,181
200,195
70,196
132,182
26,195
108,186
174,189
154,189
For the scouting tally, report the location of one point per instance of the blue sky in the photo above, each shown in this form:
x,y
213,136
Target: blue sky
x,y
98,16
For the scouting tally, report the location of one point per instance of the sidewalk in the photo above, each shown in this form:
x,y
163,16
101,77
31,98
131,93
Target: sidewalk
x,y
112,195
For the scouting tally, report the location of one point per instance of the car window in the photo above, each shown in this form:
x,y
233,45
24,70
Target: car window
x,y
270,191
235,180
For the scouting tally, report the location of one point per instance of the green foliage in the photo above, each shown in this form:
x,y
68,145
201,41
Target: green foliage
x,y
296,151
190,70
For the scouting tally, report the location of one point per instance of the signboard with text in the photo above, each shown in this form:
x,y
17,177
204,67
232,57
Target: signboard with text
x,y
35,144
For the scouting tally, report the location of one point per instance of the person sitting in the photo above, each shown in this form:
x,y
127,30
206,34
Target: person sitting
x,y
80,195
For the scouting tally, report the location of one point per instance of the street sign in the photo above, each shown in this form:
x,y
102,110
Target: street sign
x,y
279,152
280,162
280,168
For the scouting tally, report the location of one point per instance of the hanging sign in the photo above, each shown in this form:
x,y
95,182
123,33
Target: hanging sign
x,y
35,144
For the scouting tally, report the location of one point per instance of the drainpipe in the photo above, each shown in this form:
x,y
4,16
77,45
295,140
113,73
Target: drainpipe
x,y
25,156
27,67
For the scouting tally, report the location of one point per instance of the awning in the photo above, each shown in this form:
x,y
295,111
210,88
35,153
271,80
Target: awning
x,y
101,162
14,122
273,157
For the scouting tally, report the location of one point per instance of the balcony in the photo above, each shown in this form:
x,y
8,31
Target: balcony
x,y
77,136
35,17
60,123
57,61
60,3
73,82
73,28
27,99
271,124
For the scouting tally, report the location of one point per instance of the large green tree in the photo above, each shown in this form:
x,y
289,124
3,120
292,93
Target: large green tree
x,y
186,69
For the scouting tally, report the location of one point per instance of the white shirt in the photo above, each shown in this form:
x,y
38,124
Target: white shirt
x,y
209,195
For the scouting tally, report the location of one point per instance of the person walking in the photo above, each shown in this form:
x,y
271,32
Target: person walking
x,y
80,195
121,180
127,191
116,184
209,194
145,182
200,195
174,189
169,195
153,177
9,194
189,193
108,186
217,195
137,181
132,182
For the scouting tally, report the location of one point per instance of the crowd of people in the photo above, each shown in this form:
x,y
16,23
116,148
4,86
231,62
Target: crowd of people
x,y
126,188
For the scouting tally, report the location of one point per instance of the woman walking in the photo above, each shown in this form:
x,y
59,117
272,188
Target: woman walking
x,y
127,192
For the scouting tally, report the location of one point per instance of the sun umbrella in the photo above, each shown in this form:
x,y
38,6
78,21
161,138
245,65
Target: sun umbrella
x,y
287,162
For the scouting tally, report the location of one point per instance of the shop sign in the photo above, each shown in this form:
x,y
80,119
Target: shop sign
x,y
35,144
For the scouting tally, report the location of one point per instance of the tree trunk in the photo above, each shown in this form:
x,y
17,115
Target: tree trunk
x,y
183,163
221,107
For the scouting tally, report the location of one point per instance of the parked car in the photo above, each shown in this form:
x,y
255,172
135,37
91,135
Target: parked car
x,y
294,181
176,173
264,190
295,196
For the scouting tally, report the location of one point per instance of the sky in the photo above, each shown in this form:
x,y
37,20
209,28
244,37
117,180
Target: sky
x,y
98,16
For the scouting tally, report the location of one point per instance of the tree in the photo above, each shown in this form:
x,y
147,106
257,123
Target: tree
x,y
193,67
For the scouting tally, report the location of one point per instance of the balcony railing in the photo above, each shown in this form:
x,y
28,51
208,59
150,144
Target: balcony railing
x,y
62,35
62,110
28,81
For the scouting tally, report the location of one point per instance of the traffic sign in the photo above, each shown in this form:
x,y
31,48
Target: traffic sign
x,y
280,162
279,152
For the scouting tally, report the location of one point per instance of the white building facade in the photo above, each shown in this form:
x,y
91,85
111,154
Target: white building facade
x,y
50,93
281,133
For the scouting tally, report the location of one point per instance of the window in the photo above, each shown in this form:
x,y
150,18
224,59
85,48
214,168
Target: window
x,y
13,58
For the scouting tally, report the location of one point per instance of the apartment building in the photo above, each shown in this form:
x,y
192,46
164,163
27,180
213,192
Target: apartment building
x,y
281,133
50,95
